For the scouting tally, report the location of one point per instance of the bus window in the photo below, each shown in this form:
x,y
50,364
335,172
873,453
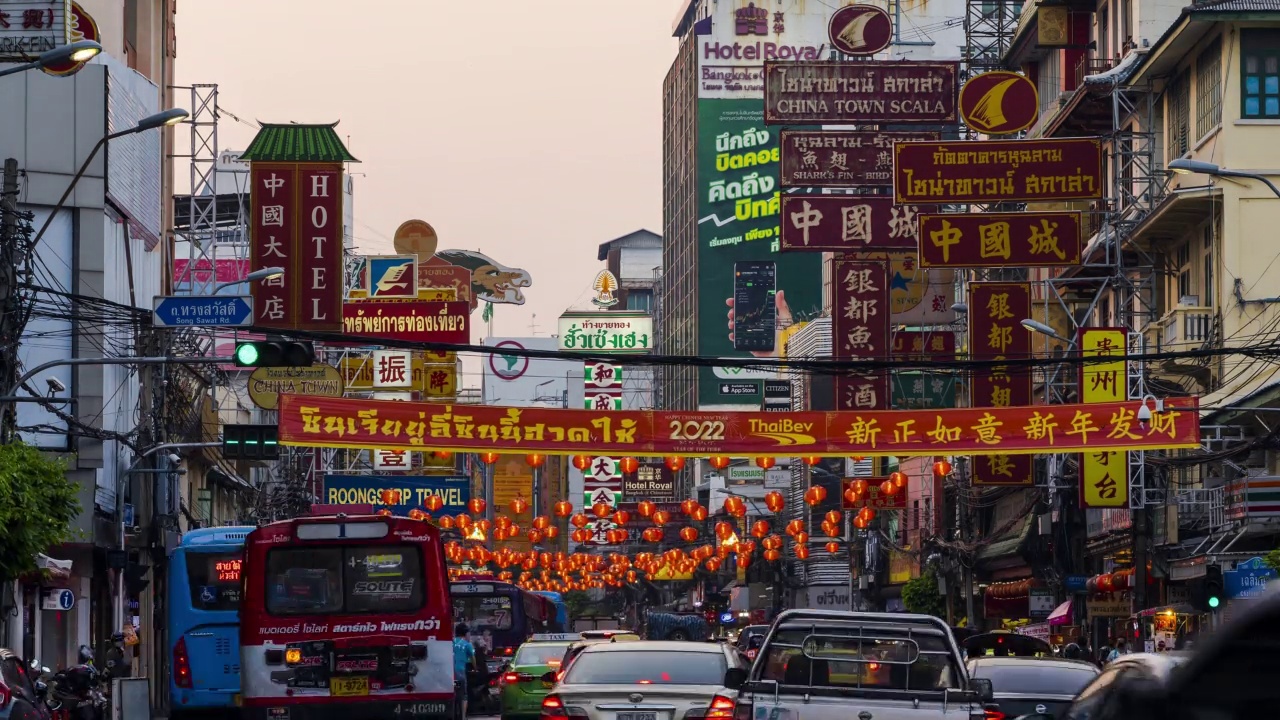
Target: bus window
x,y
493,611
214,579
344,580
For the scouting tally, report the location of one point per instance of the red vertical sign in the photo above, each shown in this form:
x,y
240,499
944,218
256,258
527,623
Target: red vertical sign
x,y
319,248
860,330
996,312
272,228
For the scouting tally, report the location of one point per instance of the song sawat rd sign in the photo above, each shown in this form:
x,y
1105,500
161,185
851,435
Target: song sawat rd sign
x,y
361,424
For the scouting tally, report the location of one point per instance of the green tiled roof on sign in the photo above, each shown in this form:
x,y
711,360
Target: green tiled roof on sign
x,y
291,142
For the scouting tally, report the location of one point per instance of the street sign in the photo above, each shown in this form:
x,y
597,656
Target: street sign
x,y
1248,580
55,599
210,311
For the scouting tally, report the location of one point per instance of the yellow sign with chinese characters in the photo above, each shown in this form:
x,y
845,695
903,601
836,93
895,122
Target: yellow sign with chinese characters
x,y
434,380
1104,476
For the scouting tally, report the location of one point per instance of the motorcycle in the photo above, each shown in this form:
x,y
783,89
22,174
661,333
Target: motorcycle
x,y
75,694
483,693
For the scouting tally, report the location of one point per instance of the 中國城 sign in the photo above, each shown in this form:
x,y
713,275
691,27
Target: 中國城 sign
x,y
371,424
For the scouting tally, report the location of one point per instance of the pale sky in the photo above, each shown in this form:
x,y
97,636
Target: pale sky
x,y
531,131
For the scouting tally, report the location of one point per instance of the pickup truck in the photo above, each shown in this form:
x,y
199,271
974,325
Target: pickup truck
x,y
828,665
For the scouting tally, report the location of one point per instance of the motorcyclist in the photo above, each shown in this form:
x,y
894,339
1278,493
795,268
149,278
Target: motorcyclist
x,y
118,663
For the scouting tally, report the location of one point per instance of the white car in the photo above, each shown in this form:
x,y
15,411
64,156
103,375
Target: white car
x,y
646,680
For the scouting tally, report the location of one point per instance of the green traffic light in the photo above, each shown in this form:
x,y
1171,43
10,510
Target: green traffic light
x,y
1214,602
247,354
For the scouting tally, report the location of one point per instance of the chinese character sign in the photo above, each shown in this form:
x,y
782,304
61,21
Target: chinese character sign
x,y
860,331
392,369
312,421
848,223
602,386
924,345
1104,475
837,93
841,158
996,311
296,224
982,240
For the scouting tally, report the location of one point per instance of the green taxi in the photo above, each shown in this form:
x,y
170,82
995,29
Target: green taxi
x,y
522,686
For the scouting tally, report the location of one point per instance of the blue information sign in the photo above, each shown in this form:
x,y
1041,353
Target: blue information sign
x,y
398,493
1248,580
209,311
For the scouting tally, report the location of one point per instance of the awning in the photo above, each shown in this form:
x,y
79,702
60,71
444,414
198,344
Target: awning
x,y
60,569
1009,543
1061,615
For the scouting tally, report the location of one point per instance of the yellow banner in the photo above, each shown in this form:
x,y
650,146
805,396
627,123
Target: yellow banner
x,y
1104,476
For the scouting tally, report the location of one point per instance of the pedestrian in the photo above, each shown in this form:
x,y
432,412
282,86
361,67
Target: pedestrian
x,y
463,655
1086,652
1117,651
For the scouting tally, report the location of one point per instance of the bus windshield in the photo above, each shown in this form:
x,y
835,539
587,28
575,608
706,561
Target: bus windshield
x,y
489,611
344,580
214,580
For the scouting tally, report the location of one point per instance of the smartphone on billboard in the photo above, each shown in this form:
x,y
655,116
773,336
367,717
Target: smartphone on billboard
x,y
754,309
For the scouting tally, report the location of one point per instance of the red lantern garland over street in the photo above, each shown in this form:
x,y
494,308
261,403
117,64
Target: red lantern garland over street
x,y
674,463
628,464
765,463
582,462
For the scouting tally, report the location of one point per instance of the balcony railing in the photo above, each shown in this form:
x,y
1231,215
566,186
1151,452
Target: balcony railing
x,y
1201,508
1182,328
1091,66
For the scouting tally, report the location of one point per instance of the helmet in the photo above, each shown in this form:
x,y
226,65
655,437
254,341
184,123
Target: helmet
x,y
85,654
117,637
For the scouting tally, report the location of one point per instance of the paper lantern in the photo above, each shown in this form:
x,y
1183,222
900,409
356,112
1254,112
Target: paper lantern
x,y
535,460
802,552
628,464
699,513
621,517
535,536
489,458
602,509
801,537
564,508
674,463
834,516
542,522
861,523
660,518
812,460
775,501
833,547
434,503
942,468
688,506
445,523
899,479
441,454
723,530
518,506
582,462
764,463
688,534
416,514
579,520
719,462
760,528
646,508
860,486
476,505
552,532
794,527
772,555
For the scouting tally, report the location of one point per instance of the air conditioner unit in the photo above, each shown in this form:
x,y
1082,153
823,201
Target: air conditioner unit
x,y
1189,301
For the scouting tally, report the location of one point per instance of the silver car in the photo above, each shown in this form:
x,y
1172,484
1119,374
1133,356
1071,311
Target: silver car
x,y
645,680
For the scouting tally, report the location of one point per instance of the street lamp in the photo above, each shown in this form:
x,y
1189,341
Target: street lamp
x,y
78,51
1039,327
171,116
960,308
264,274
1186,166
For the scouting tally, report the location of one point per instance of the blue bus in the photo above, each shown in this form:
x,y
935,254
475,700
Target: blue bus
x,y
204,623
500,614
561,624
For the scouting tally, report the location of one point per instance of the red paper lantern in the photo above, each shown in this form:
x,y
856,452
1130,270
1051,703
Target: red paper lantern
x,y
621,517
812,460
834,517
802,552
628,464
476,505
760,528
564,508
579,520
489,458
764,463
674,463
688,506
942,468
582,462
434,503
602,509
833,547
660,518
688,534
535,460
646,508
518,506
441,454
719,462
899,479
775,501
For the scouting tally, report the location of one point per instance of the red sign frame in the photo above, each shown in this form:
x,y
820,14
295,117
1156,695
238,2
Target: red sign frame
x,y
431,321
848,224
860,330
983,240
987,171
841,158
1017,102
899,92
995,312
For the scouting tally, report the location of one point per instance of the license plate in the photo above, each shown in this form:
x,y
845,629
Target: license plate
x,y
546,684
348,686
638,716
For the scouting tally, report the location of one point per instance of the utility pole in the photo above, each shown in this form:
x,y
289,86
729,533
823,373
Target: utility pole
x,y
10,316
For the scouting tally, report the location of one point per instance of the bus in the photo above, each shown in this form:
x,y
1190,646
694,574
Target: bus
x,y
346,616
561,623
203,626
500,614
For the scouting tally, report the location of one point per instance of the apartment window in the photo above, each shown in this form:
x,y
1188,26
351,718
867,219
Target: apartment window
x,y
1184,271
1260,73
640,300
1209,89
1208,300
1178,100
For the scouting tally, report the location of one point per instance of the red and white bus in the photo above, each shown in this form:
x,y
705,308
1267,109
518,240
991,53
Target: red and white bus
x,y
346,617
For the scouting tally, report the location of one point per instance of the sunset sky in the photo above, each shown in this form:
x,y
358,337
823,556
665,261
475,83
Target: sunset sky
x,y
531,131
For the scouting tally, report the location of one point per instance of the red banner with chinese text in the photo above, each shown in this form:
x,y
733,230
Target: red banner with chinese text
x,y
982,240
296,224
848,223
860,330
362,424
996,310
1104,475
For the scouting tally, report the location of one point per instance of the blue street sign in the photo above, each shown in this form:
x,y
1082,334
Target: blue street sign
x,y
1248,580
210,311
1075,583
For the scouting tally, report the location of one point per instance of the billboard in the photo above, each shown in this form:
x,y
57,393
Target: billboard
x,y
428,321
738,232
983,171
741,35
405,492
513,379
842,93
605,332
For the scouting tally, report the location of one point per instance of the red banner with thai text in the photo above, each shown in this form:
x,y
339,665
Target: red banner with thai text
x,y
987,171
370,424
996,310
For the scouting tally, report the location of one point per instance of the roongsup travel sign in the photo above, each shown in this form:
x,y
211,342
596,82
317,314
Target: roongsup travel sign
x,y
815,93
606,332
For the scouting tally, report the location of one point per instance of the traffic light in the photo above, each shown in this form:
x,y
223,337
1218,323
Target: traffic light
x,y
1213,586
275,353
250,442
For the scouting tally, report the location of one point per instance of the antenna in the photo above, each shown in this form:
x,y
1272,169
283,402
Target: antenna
x,y
533,326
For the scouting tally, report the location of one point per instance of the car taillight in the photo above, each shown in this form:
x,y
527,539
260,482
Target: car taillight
x,y
508,651
721,708
511,678
5,695
990,713
181,665
553,708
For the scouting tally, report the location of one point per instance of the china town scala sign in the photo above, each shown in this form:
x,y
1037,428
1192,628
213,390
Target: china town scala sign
x,y
393,425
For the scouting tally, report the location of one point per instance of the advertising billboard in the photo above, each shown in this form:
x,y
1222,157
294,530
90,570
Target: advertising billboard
x,y
399,493
739,262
